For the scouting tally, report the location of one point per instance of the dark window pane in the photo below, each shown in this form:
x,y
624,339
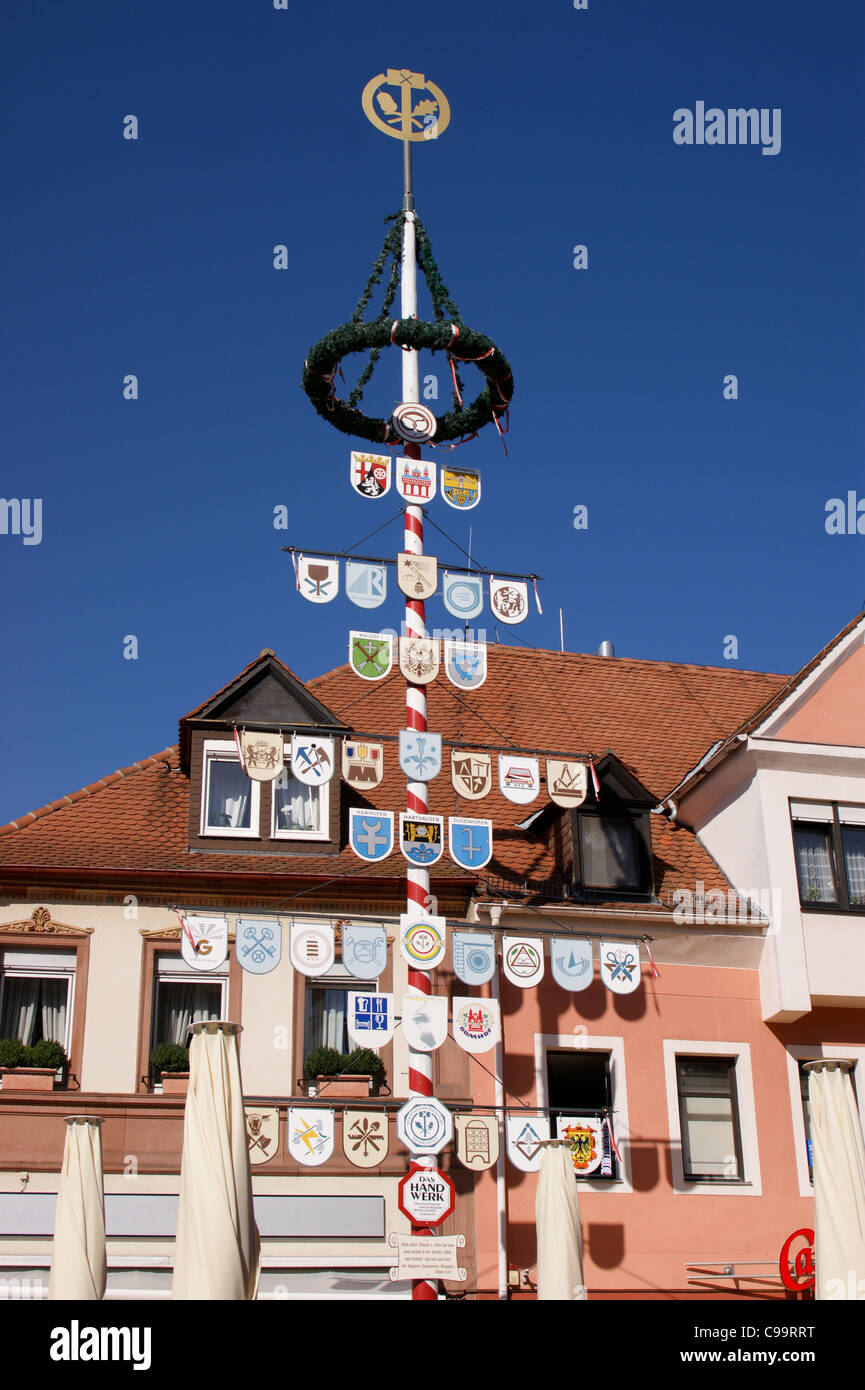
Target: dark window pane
x,y
608,852
853,840
709,1117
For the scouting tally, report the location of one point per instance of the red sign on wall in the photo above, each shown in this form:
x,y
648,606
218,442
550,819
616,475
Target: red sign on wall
x,y
802,1275
426,1196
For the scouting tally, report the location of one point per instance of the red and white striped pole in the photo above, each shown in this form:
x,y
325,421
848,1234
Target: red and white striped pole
x,y
420,1074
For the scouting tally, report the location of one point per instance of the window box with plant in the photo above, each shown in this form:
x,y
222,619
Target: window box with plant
x,y
170,1062
343,1075
32,1068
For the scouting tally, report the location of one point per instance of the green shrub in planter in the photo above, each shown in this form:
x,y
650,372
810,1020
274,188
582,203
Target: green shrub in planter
x,y
11,1052
323,1061
362,1061
170,1057
45,1054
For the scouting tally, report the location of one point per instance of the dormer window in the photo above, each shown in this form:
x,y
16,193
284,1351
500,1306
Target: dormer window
x,y
230,800
300,812
612,853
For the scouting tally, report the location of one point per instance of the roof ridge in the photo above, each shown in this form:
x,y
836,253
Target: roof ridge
x,y
91,789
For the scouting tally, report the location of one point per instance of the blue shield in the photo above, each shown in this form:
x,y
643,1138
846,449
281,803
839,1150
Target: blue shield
x,y
571,963
463,594
465,663
420,755
474,956
258,944
370,834
365,584
364,950
471,841
370,1019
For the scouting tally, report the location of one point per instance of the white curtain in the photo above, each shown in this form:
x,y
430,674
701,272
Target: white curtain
x,y
181,1004
557,1217
228,794
78,1263
814,866
854,857
297,805
839,1183
326,1019
34,1009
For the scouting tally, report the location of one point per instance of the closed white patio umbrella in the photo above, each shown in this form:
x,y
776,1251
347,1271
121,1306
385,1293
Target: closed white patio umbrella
x,y
557,1217
217,1246
838,1158
78,1265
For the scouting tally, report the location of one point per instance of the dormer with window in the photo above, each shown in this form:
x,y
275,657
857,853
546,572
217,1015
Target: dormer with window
x,y
611,838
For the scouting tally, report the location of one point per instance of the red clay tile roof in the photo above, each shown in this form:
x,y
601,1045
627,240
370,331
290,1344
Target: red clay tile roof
x,y
659,718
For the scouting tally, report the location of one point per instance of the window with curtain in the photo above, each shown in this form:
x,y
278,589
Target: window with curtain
x,y
326,1010
709,1119
230,799
298,810
36,996
183,996
829,844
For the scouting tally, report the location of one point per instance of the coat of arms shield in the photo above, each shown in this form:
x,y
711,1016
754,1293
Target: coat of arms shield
x,y
571,963
415,480
422,939
519,778
421,838
258,944
470,841
585,1138
365,1137
370,655
566,781
419,659
262,755
424,1021
620,965
477,1023
465,663
262,1133
364,947
310,1134
474,956
312,759
463,594
369,1019
420,755
203,941
523,960
526,1138
365,584
471,774
461,487
312,948
509,600
417,575
370,834
362,763
318,580
370,474
477,1141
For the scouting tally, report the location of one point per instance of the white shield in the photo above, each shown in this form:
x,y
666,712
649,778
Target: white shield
x,y
465,663
365,1137
312,759
262,1133
471,774
262,755
585,1136
477,1024
424,1021
420,838
571,962
318,580
364,948
566,782
519,777
509,600
422,939
461,487
420,755
365,584
419,659
463,594
477,1139
370,1019
312,948
620,965
258,944
203,941
470,841
370,474
525,1136
417,575
523,960
414,423
310,1134
474,956
415,480
370,655
424,1125
362,762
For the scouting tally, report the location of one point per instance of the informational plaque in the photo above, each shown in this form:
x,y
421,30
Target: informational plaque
x,y
426,1257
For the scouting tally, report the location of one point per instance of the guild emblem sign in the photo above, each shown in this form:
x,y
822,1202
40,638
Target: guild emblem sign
x,y
566,782
424,1125
362,763
477,1139
203,941
465,663
369,1019
461,487
509,600
426,1196
424,1021
365,1137
414,423
312,949
262,1134
365,584
310,1135
312,759
523,960
463,595
370,655
571,963
474,956
370,834
470,841
420,755
526,1139
417,575
258,944
262,755
422,940
318,580
519,778
370,474
415,480
421,838
364,948
620,965
471,774
419,659
476,1023
406,105
585,1140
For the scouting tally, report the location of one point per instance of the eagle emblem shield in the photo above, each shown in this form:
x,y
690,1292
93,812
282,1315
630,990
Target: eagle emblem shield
x,y
419,659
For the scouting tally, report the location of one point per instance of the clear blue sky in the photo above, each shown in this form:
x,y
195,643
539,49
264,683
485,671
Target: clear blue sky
x,y
155,257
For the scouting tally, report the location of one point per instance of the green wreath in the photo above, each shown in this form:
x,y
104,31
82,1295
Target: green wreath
x,y
447,334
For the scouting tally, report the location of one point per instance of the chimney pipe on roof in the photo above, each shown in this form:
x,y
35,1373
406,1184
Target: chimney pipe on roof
x,y
606,649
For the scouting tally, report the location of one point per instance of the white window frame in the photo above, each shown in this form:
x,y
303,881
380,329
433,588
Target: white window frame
x,y
614,1047
225,750
42,965
324,808
750,1184
814,1052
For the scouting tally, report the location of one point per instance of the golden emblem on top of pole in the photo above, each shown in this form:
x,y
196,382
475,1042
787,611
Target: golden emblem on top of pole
x,y
406,105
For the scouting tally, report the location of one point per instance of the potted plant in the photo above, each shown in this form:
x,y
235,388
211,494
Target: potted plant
x,y
343,1075
172,1062
31,1068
